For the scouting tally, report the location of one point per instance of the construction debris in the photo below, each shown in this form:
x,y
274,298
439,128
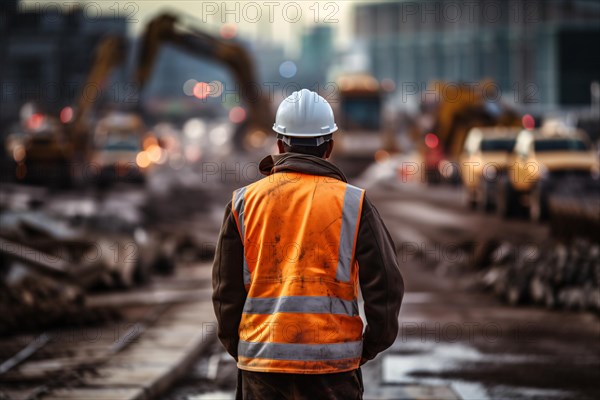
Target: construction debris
x,y
54,250
556,275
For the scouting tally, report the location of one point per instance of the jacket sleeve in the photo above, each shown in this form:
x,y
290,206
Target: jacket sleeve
x,y
381,282
229,292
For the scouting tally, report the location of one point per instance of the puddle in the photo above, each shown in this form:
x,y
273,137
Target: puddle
x,y
417,358
399,368
470,391
213,396
460,367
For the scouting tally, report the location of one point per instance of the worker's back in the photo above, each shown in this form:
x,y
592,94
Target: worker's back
x,y
301,313
286,269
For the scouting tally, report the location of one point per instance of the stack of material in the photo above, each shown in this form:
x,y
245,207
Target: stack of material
x,y
48,266
556,275
44,273
56,247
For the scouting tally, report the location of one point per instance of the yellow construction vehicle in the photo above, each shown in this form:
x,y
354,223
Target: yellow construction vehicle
x,y
41,151
358,107
543,162
118,148
485,156
450,111
166,29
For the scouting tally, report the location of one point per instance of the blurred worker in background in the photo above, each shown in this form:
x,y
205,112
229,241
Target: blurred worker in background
x,y
292,251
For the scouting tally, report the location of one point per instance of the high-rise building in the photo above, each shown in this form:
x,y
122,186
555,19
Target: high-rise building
x,y
541,53
316,56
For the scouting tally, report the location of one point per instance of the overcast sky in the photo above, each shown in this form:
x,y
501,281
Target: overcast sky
x,y
280,21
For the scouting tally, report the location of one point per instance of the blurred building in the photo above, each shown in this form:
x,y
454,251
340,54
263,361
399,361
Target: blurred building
x,y
46,56
284,72
268,56
317,54
539,52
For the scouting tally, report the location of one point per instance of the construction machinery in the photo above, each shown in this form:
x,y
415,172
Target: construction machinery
x,y
164,29
118,148
485,156
168,29
358,107
545,161
449,111
40,151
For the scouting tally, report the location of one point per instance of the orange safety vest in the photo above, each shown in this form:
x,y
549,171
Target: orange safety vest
x,y
301,313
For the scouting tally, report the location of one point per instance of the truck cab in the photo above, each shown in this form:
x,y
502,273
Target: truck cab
x,y
484,157
117,152
358,109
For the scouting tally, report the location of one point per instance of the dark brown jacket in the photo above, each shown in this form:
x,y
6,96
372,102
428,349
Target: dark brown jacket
x,y
380,280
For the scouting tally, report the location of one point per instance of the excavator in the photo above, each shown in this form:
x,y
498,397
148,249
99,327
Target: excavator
x,y
164,29
450,111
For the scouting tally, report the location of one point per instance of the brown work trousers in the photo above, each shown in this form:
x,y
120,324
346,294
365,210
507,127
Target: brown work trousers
x,y
267,386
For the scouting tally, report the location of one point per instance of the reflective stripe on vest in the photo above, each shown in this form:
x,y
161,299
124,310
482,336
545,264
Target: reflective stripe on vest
x,y
352,203
300,304
298,351
301,312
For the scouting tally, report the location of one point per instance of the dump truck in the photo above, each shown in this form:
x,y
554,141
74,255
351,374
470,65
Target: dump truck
x,y
358,107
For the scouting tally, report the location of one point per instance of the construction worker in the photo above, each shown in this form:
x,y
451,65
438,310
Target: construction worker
x,y
291,254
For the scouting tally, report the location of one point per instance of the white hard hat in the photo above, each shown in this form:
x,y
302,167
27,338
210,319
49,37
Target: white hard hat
x,y
304,114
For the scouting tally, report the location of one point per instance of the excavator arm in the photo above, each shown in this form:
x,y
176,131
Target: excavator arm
x,y
110,53
167,28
